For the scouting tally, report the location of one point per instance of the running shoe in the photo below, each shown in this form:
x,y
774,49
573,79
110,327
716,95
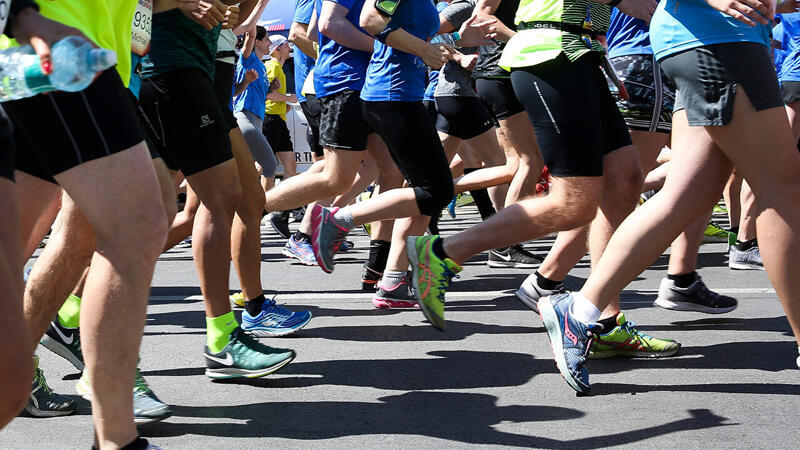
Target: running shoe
x,y
345,247
274,320
298,214
280,223
530,292
400,297
749,259
64,342
367,228
430,277
696,297
147,407
245,357
715,233
186,243
451,208
514,256
645,196
370,278
718,209
299,250
569,339
237,300
326,236
626,340
43,402
464,199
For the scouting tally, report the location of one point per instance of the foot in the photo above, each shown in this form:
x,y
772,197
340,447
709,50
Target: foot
x,y
326,236
147,407
43,402
626,340
245,357
696,297
530,292
274,320
64,342
399,297
370,278
299,250
715,233
569,339
430,276
514,256
749,259
237,300
464,199
280,223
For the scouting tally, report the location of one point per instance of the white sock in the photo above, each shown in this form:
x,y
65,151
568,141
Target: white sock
x,y
345,218
583,310
391,279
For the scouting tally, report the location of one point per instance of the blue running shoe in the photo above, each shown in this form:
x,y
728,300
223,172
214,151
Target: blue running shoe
x,y
451,208
327,236
299,250
569,339
274,320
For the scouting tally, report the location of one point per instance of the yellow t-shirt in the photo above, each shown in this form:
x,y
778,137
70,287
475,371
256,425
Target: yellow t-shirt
x,y
275,70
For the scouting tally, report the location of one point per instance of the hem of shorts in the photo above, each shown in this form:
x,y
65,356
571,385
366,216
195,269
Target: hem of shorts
x,y
342,147
665,53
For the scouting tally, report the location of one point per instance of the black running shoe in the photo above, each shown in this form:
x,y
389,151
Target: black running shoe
x,y
514,256
370,278
280,223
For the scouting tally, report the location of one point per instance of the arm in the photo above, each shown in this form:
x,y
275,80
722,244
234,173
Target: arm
x,y
333,23
298,35
166,5
251,18
278,97
249,41
249,76
486,9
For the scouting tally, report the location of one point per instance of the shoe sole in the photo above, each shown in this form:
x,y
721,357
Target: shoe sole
x,y
316,225
144,420
380,303
634,355
715,240
281,332
34,412
527,300
686,306
745,266
221,374
291,255
369,286
512,265
551,323
411,246
62,351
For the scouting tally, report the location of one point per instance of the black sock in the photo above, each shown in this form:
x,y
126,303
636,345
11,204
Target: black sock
x,y
482,200
378,254
433,226
734,230
253,307
685,280
746,245
608,323
438,249
546,283
299,236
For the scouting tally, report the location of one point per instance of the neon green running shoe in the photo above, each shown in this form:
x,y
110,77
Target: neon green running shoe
x,y
626,340
718,209
464,199
431,277
237,300
715,233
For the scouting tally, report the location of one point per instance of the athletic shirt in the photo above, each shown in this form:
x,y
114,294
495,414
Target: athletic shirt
x,y
226,43
338,67
489,55
433,81
787,32
532,47
180,43
454,80
140,41
254,96
393,75
680,25
303,10
275,70
627,36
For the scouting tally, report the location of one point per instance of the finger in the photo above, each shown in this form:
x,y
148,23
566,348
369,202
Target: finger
x,y
42,49
753,13
757,5
740,17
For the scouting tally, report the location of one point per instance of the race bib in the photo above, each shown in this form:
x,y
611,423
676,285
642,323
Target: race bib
x,y
4,12
142,27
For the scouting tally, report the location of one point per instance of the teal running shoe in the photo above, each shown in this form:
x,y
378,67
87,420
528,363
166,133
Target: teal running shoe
x,y
245,357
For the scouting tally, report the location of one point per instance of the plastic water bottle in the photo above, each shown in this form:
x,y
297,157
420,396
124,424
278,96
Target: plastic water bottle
x,y
446,39
75,64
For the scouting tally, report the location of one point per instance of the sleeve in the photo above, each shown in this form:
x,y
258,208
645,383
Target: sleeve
x,y
272,70
458,13
346,3
302,11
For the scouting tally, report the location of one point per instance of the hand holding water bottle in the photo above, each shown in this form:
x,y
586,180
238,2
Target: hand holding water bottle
x,y
32,28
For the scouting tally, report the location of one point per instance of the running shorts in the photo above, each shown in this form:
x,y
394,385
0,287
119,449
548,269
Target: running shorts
x,y
651,94
6,147
499,97
223,86
312,111
706,80
791,91
342,125
430,108
277,133
462,117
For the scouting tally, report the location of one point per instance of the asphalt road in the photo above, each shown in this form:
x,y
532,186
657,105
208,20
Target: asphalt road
x,y
365,378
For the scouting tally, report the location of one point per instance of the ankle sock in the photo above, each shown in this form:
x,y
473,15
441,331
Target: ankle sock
x,y
546,283
70,313
734,230
253,307
746,245
391,279
609,323
139,443
438,249
685,280
345,218
378,254
299,236
218,329
583,310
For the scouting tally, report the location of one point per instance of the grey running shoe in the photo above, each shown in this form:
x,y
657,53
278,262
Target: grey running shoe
x,y
514,256
43,402
530,292
280,223
749,259
147,408
696,297
401,297
327,236
64,342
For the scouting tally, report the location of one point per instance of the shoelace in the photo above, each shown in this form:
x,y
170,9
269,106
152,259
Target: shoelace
x,y
444,282
40,380
140,384
640,336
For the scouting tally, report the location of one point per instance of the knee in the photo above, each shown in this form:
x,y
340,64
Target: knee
x,y
336,183
624,184
252,202
225,199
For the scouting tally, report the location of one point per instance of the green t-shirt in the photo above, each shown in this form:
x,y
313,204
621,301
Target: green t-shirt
x,y
532,47
177,43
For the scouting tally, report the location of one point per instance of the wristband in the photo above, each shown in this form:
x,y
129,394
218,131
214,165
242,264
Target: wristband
x,y
613,3
384,34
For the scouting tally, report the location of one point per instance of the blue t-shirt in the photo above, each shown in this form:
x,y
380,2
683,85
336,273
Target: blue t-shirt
x,y
787,59
339,67
394,75
680,25
303,10
627,36
254,97
433,81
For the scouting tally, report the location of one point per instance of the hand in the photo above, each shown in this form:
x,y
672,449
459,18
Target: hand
x,y
186,6
787,6
32,28
231,17
435,56
250,76
475,33
746,11
468,61
209,13
641,9
275,85
291,98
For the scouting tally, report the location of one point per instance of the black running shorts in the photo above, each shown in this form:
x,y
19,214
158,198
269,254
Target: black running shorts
x,y
499,97
791,91
312,111
574,115
61,130
6,147
185,111
462,117
276,131
223,86
342,125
